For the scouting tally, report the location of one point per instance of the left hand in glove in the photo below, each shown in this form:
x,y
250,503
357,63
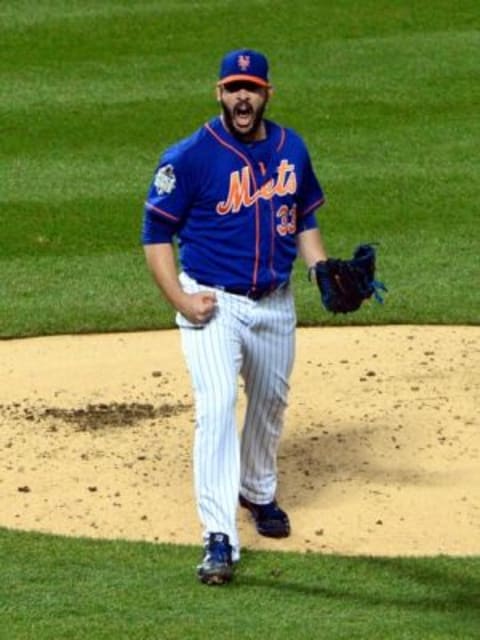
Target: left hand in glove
x,y
345,284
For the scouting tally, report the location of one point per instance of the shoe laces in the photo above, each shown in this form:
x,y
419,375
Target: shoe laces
x,y
218,548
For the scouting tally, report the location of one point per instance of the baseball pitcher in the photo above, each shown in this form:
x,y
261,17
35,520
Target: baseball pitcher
x,y
239,197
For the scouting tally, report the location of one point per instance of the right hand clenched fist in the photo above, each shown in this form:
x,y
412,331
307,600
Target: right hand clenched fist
x,y
199,307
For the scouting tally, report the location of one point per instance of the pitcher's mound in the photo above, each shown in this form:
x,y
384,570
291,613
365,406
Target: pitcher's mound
x,y
380,453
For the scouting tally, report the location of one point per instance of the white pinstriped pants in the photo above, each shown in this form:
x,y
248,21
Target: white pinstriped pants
x,y
255,339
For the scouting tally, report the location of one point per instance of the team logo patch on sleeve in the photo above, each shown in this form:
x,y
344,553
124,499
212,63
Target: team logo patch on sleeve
x,y
165,180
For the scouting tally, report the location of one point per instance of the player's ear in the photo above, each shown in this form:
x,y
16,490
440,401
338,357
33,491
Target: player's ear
x,y
218,93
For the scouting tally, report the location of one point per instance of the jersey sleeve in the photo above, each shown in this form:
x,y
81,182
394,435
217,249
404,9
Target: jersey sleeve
x,y
310,196
167,199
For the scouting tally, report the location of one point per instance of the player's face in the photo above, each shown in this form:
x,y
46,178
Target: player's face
x,y
243,105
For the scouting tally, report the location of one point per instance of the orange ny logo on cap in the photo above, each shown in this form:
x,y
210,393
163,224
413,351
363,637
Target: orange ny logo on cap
x,y
243,62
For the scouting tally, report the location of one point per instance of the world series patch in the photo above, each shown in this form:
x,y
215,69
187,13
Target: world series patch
x,y
165,180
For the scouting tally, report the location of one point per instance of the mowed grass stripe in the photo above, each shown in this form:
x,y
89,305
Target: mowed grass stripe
x,y
91,293
385,67
22,13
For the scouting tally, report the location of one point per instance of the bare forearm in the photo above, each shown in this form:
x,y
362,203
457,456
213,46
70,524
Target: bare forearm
x,y
161,262
197,307
311,247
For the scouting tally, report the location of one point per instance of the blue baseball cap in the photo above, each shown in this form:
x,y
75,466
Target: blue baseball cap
x,y
244,64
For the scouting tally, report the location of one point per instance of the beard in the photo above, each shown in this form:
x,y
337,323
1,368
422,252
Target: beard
x,y
243,121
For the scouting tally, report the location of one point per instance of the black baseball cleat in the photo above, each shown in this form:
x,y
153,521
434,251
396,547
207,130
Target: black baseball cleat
x,y
270,520
216,567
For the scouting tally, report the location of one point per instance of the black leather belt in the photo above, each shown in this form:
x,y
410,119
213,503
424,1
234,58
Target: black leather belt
x,y
252,293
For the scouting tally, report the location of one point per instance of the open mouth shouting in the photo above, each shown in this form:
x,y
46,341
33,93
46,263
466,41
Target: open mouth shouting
x,y
243,117
244,120
243,106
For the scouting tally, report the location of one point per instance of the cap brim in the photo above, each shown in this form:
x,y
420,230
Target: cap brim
x,y
242,76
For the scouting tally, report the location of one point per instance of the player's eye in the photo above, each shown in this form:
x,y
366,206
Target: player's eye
x,y
238,85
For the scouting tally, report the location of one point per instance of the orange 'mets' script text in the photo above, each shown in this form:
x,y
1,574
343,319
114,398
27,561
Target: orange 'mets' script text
x,y
240,191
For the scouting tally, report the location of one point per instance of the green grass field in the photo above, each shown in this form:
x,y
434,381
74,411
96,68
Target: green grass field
x,y
82,589
385,92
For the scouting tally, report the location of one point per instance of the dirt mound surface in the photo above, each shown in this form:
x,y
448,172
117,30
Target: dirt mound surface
x,y
380,453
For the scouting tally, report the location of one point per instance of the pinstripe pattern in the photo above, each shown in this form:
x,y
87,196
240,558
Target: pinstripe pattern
x,y
255,339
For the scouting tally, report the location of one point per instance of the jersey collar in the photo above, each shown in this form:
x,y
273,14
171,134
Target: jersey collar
x,y
275,135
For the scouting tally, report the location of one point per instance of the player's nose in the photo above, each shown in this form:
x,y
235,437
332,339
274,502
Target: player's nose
x,y
243,94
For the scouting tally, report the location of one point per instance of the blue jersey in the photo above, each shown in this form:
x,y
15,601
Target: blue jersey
x,y
235,208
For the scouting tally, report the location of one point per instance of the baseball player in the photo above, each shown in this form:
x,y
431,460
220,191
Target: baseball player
x,y
239,196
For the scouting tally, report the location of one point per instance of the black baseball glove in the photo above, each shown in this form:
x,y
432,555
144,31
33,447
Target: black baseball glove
x,y
345,284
